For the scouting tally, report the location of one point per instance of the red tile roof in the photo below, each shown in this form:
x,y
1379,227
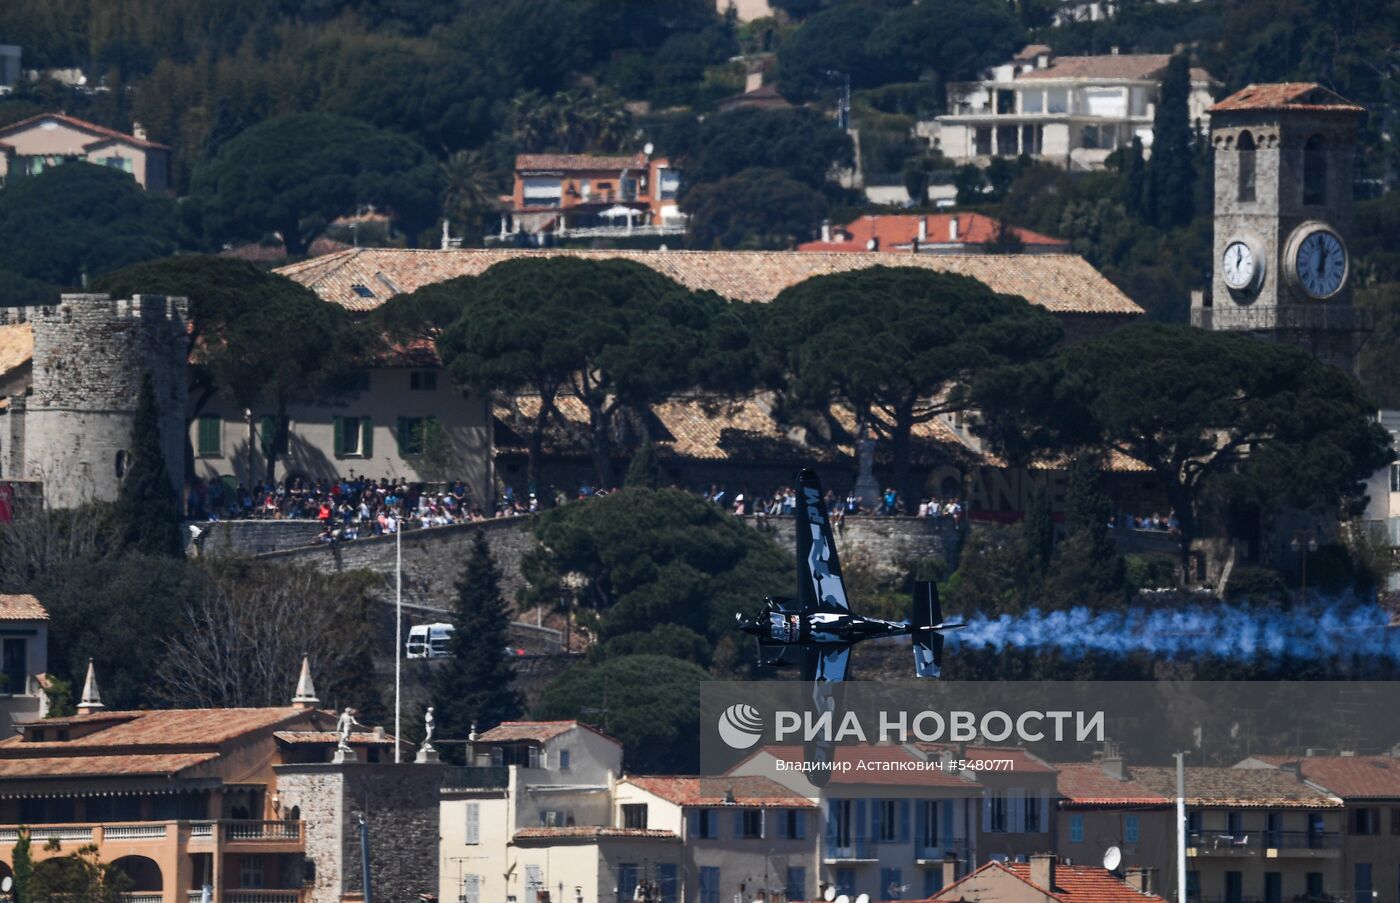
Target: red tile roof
x,y
164,765
1350,777
1022,761
21,608
749,791
1064,283
191,728
540,731
101,132
1073,884
578,162
1308,96
891,231
1085,784
322,737
1126,66
592,832
1237,788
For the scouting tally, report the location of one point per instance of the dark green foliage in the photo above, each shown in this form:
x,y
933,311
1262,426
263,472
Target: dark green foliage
x,y
21,291
1038,532
1256,584
1135,180
1171,199
149,592
655,557
887,340
1086,568
476,686
663,639
147,513
758,209
650,703
79,220
801,142
78,877
953,40
1268,424
991,578
1378,363
645,470
827,49
294,174
21,867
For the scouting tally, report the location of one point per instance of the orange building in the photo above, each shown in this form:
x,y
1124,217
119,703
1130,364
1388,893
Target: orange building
x,y
940,233
592,195
176,799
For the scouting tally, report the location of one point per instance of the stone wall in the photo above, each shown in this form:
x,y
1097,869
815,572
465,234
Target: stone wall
x,y
893,542
400,806
253,537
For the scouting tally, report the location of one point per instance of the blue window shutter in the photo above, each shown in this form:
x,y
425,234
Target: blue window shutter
x,y
861,823
801,825
946,832
903,821
693,828
831,822
739,824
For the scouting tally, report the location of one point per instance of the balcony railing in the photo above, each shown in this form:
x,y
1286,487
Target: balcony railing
x,y
262,895
476,777
201,830
262,830
1302,840
67,834
851,850
148,831
142,896
1224,842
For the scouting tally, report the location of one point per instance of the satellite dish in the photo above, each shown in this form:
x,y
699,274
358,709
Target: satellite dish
x,y
648,149
863,898
7,884
843,899
830,893
1112,858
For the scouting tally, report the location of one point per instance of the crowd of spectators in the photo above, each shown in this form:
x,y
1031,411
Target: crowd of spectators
x,y
1155,522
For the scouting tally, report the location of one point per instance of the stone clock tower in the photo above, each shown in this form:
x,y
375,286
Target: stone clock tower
x,y
1281,267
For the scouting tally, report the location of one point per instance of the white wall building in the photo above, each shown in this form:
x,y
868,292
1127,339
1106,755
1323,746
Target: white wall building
x,y
1071,111
1383,495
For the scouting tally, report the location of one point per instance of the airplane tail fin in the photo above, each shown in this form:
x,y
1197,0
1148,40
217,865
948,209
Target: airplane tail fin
x,y
925,615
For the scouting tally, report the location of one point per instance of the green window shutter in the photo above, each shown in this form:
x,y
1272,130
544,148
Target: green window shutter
x,y
366,437
338,425
266,430
405,441
209,446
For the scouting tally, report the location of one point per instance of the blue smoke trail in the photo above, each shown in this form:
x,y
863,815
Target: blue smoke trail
x,y
1319,630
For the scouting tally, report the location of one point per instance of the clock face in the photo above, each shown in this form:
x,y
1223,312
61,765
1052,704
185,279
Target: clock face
x,y
1239,266
1321,263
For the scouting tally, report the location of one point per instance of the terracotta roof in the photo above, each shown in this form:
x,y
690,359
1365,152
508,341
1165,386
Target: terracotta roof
x,y
16,346
1287,96
1031,51
198,728
321,737
1086,784
21,608
1237,788
100,131
892,231
1127,66
592,832
877,765
102,766
1063,283
579,162
534,730
749,791
1350,777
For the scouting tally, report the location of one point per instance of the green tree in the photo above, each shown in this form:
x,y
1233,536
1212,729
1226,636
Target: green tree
x,y
644,471
801,142
650,703
79,220
22,866
79,877
1201,410
294,174
570,122
1135,179
476,686
264,340
1038,532
1171,191
654,556
908,343
952,40
148,513
828,48
1378,364
467,193
756,209
1086,568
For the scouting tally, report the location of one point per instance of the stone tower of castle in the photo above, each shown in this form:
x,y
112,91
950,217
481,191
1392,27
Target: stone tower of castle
x,y
1283,210
72,431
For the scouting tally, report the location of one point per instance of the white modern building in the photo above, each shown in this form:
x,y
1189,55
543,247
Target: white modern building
x,y
1072,111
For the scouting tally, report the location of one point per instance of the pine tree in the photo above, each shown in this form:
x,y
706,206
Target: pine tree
x,y
477,684
1172,172
645,469
1135,187
23,867
1086,568
148,508
1038,532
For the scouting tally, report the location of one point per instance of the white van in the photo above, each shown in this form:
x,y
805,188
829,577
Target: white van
x,y
429,640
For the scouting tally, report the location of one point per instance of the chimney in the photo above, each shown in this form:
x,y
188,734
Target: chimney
x,y
923,228
138,131
92,698
1113,51
305,697
1043,870
950,870
1141,877
952,228
1111,761
826,231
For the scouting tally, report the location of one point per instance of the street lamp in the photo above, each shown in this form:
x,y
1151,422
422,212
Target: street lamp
x,y
1306,547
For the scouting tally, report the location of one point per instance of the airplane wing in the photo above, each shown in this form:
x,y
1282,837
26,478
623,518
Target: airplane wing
x,y
819,586
825,662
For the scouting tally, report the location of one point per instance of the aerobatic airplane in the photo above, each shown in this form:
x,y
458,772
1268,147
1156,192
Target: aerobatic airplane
x,y
818,629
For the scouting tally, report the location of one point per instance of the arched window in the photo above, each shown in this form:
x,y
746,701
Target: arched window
x,y
1246,185
1315,171
120,464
